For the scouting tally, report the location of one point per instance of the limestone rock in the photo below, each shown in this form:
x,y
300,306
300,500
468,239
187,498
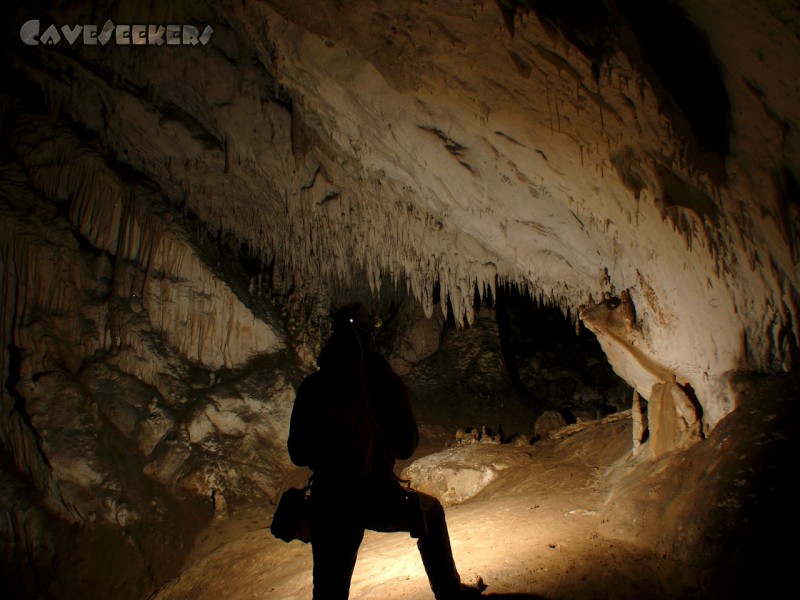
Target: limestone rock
x,y
622,339
152,429
674,421
418,338
458,474
549,421
233,444
150,202
469,374
557,363
639,430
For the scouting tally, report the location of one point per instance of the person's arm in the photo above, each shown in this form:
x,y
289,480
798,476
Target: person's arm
x,y
301,434
405,430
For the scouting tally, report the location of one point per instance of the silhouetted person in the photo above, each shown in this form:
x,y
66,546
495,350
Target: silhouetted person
x,y
351,420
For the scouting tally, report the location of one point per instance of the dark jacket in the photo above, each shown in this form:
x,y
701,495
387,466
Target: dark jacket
x,y
352,418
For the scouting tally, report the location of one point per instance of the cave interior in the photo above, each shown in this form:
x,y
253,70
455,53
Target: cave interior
x,y
579,223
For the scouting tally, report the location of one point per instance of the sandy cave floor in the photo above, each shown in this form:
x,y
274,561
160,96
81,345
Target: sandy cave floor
x,y
532,533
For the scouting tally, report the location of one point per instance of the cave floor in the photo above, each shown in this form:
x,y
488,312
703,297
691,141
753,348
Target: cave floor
x,y
532,533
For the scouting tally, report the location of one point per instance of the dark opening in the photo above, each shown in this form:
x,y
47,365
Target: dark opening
x,y
679,54
553,367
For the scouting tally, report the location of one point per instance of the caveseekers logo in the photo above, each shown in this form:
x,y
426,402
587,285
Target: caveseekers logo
x,y
123,35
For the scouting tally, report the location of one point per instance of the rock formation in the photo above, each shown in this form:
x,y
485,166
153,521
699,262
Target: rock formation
x,y
176,220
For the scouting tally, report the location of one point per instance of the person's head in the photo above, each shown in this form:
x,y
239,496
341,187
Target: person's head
x,y
355,321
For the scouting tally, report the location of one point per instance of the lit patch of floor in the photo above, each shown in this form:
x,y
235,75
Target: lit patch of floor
x,y
533,532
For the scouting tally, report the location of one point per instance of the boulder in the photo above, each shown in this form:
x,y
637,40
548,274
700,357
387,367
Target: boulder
x,y
550,421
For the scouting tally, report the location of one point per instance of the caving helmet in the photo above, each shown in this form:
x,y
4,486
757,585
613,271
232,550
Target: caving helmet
x,y
356,317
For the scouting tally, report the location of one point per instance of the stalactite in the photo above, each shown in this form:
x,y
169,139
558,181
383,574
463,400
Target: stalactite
x,y
179,291
418,224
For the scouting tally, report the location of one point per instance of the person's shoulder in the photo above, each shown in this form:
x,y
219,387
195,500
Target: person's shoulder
x,y
381,371
311,381
375,360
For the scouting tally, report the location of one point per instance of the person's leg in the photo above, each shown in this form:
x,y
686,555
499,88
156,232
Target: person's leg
x,y
393,509
434,548
334,548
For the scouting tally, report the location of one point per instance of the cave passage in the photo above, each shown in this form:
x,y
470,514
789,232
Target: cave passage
x,y
578,221
517,361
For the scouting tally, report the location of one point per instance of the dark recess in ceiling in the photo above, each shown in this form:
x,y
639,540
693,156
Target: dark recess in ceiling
x,y
679,53
665,46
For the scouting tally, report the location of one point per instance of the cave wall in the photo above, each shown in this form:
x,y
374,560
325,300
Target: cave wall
x,y
140,395
451,144
571,170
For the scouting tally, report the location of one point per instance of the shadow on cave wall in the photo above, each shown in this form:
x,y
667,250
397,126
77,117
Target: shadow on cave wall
x,y
665,46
